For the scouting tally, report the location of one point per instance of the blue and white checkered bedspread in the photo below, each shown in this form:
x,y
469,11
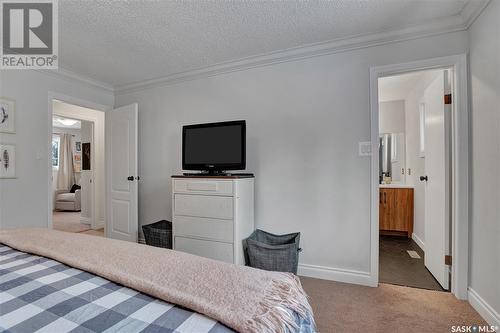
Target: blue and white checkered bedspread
x,y
42,295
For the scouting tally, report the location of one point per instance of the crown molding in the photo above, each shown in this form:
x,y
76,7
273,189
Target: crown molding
x,y
472,10
436,27
70,76
460,22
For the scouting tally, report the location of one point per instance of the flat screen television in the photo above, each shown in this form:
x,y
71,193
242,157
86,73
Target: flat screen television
x,y
214,147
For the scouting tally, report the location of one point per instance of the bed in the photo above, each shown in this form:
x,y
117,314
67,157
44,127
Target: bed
x,y
42,290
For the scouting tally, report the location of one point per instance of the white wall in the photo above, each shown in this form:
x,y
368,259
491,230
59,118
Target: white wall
x,y
305,119
485,160
24,201
392,117
413,159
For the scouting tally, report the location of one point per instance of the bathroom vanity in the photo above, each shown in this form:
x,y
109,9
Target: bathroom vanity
x,y
396,209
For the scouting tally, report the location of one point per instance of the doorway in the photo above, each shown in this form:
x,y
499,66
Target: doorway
x,y
413,168
70,182
77,165
454,152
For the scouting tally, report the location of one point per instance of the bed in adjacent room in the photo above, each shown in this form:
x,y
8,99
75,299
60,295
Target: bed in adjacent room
x,y
52,281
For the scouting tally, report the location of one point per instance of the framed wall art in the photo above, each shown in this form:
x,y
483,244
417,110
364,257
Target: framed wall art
x,y
7,161
7,116
86,156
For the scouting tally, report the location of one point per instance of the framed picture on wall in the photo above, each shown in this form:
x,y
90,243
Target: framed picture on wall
x,y
77,162
7,116
86,156
7,161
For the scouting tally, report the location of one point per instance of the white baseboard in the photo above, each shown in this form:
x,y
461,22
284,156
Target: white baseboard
x,y
85,220
335,274
418,241
484,309
100,224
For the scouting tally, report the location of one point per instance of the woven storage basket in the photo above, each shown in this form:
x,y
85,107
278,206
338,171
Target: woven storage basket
x,y
272,252
158,234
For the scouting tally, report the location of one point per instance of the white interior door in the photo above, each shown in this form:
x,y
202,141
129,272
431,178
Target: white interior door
x,y
87,176
437,226
121,173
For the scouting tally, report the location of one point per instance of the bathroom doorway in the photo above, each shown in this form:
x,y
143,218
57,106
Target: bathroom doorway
x,y
414,178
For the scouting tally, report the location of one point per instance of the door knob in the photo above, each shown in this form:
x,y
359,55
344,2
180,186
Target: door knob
x,y
130,178
424,178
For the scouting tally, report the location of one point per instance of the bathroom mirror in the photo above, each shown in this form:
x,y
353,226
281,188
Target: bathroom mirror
x,y
392,157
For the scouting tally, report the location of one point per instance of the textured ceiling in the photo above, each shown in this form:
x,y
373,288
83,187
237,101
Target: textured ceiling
x,y
122,42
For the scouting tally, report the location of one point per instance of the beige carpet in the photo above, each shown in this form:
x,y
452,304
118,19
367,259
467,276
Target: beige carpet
x,y
68,221
341,307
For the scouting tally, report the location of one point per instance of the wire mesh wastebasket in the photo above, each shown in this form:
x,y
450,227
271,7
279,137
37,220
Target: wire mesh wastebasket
x,y
272,252
158,234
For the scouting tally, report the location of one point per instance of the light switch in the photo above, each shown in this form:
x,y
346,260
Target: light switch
x,y
365,148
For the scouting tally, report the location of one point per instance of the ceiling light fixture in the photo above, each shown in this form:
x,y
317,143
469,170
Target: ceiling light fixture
x,y
67,122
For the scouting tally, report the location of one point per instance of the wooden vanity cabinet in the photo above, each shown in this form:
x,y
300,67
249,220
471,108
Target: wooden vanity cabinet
x,y
396,211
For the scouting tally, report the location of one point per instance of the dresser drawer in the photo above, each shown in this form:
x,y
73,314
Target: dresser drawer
x,y
216,229
214,207
208,249
200,186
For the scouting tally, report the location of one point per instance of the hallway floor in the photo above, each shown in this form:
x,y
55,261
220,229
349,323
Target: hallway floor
x,y
398,267
97,232
70,222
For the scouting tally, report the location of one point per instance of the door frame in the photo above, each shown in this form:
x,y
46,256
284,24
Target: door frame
x,y
459,164
85,104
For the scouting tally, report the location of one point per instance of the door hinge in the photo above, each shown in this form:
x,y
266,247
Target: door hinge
x,y
447,260
447,99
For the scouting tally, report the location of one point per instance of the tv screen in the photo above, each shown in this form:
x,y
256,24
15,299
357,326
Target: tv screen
x,y
214,146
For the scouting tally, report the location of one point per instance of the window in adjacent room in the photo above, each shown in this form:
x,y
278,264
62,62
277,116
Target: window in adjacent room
x,y
56,143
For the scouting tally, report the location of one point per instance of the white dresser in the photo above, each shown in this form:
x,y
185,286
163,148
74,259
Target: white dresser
x,y
212,216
